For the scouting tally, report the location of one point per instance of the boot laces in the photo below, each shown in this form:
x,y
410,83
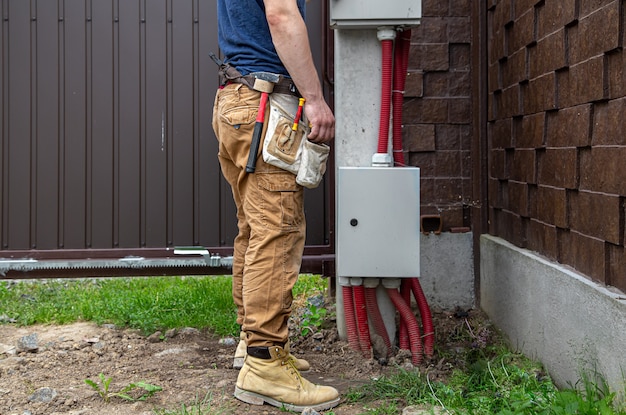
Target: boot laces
x,y
290,363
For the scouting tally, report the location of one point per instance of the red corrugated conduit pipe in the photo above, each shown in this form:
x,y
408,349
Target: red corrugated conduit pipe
x,y
427,320
361,317
403,336
401,60
406,314
348,311
373,312
386,39
401,57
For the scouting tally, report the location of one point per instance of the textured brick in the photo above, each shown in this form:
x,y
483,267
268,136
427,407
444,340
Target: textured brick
x,y
460,56
431,30
459,110
459,84
426,110
466,171
448,137
602,170
558,167
542,238
508,102
617,74
549,205
539,94
436,84
590,6
447,189
595,34
549,54
427,193
460,29
426,163
414,86
582,83
569,127
494,77
554,15
510,226
514,69
448,164
596,214
496,45
429,57
521,33
503,14
517,194
521,165
434,8
495,193
617,267
497,165
452,217
460,8
528,132
501,134
465,135
609,123
418,137
584,253
523,6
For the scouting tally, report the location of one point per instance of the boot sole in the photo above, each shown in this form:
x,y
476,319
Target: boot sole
x,y
257,399
238,362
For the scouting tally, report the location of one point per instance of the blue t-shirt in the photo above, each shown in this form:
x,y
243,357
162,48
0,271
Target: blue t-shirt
x,y
244,36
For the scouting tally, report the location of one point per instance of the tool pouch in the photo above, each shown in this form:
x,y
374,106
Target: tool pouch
x,y
289,149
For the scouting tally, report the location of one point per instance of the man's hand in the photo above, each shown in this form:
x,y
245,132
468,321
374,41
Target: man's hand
x,y
291,40
321,120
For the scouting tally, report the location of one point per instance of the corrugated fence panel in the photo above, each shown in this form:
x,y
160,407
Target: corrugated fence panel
x,y
128,132
46,111
106,139
17,151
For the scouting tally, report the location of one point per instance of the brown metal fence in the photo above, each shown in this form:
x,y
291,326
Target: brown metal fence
x,y
106,146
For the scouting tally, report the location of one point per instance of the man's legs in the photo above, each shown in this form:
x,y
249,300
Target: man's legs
x,y
271,220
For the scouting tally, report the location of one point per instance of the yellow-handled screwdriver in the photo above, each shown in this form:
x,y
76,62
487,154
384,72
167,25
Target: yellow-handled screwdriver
x,y
296,120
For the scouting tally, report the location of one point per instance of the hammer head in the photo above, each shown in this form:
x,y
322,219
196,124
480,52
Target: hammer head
x,y
264,81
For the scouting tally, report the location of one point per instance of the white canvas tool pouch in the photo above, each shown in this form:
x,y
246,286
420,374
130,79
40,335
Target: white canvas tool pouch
x,y
289,149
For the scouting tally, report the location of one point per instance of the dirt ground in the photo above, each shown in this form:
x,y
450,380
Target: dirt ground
x,y
189,366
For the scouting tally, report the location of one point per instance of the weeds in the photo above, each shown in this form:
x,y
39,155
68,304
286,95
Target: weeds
x,y
312,319
103,389
203,406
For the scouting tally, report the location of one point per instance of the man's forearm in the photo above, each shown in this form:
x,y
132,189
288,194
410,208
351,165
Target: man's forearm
x,y
290,38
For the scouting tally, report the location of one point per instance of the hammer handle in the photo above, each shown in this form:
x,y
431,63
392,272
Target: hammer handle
x,y
256,134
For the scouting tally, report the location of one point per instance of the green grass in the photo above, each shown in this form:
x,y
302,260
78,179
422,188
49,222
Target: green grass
x,y
501,383
492,380
147,304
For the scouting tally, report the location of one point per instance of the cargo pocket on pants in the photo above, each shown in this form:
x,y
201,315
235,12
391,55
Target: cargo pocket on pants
x,y
281,200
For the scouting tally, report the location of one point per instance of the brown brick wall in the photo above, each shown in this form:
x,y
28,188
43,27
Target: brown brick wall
x,y
437,115
557,131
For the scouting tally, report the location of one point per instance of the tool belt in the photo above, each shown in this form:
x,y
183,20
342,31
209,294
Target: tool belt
x,y
286,146
230,75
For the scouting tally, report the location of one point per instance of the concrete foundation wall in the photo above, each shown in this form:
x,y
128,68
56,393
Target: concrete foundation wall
x,y
550,313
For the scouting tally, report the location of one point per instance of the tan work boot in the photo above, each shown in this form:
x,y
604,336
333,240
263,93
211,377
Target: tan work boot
x,y
240,354
276,381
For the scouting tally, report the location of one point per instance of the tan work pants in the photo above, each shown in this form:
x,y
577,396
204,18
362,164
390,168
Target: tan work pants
x,y
270,217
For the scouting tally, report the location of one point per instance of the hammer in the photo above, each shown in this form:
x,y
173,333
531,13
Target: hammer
x,y
264,83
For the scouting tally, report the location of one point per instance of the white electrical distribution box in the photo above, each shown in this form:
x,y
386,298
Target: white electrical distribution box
x,y
362,14
378,222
